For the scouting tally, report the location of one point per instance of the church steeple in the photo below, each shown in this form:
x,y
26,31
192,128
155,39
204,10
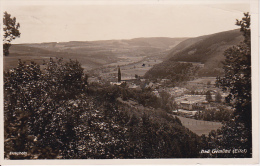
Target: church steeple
x,y
119,74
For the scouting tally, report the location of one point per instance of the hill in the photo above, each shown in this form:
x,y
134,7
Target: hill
x,y
205,50
92,54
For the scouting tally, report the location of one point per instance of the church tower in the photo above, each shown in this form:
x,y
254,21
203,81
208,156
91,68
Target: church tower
x,y
119,74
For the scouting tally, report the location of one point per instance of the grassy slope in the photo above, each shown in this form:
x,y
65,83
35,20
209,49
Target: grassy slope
x,y
208,49
205,49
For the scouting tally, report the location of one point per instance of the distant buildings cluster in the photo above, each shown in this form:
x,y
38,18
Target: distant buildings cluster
x,y
187,101
192,102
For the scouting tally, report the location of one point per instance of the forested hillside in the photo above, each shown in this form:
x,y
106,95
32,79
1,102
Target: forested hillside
x,y
175,71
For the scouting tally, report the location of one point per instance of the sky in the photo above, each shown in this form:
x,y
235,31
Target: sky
x,y
62,21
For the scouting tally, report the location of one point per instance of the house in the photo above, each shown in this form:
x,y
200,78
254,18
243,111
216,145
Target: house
x,y
193,106
192,102
198,106
134,86
186,113
128,78
116,83
186,105
164,80
152,85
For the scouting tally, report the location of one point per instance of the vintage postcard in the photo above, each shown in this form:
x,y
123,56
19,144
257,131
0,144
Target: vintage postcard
x,y
129,82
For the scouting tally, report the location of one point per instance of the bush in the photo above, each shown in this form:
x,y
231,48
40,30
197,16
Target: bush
x,y
35,104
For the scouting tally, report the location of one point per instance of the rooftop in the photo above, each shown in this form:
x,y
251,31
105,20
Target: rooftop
x,y
190,99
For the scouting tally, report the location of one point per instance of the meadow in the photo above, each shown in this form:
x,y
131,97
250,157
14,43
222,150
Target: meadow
x,y
199,127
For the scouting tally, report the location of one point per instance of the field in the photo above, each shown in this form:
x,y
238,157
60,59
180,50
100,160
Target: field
x,y
93,54
199,126
128,68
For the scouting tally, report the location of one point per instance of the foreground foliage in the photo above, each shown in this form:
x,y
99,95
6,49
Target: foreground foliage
x,y
52,112
237,133
221,114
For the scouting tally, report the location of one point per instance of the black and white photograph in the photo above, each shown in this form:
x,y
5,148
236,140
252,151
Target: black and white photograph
x,y
128,80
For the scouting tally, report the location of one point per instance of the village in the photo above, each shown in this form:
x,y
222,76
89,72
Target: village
x,y
189,99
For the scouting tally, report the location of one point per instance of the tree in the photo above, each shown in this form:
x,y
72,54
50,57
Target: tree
x,y
11,31
237,81
166,101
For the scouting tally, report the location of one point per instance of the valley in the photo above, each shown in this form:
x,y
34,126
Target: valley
x,y
100,81
174,72
94,54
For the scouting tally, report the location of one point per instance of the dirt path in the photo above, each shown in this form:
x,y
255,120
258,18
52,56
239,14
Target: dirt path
x,y
199,126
